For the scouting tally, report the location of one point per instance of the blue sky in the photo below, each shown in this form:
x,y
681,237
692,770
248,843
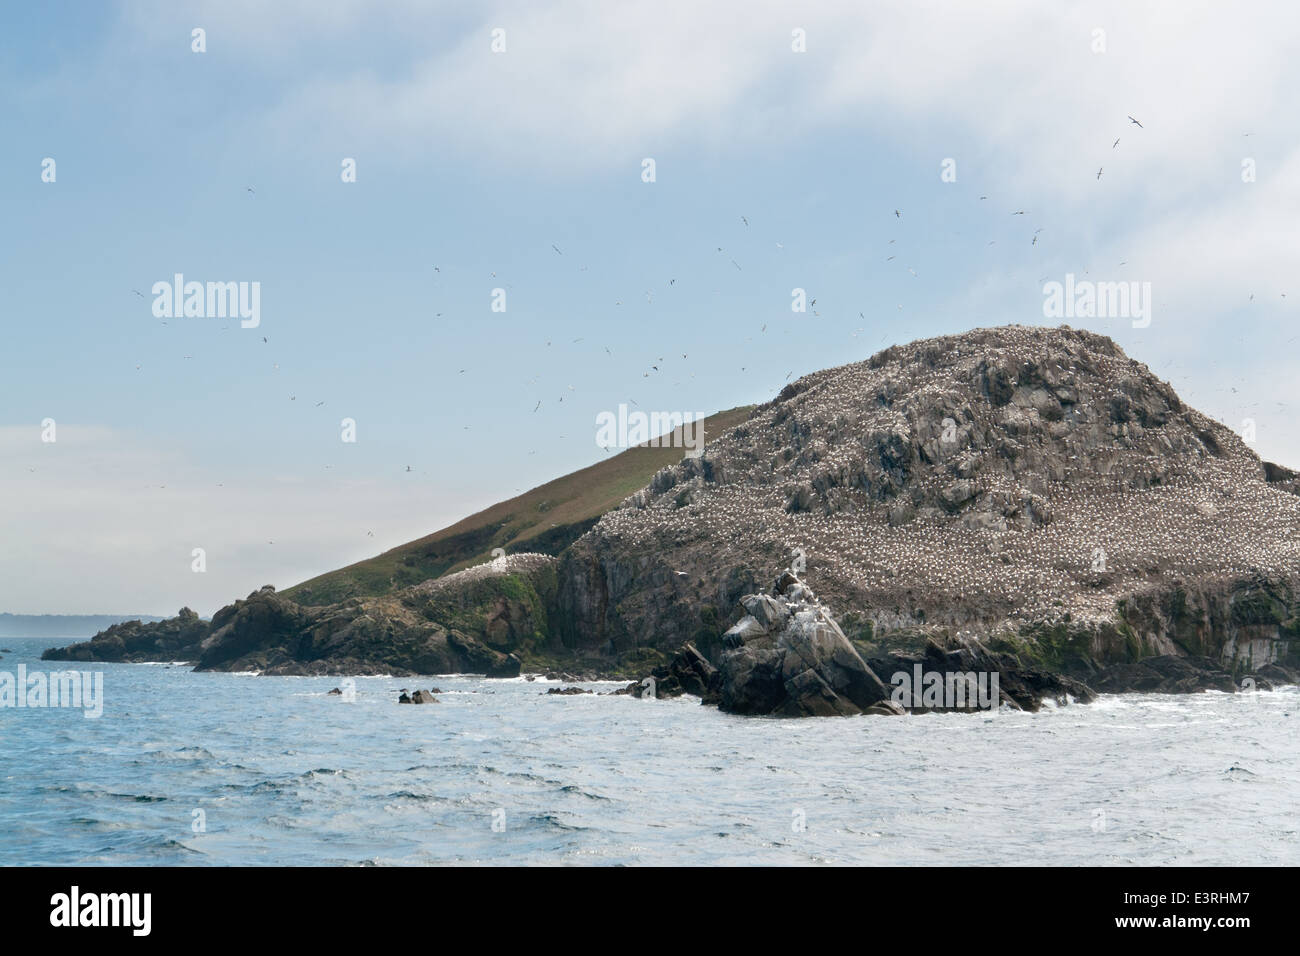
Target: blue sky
x,y
375,295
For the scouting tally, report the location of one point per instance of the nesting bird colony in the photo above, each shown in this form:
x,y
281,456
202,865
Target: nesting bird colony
x,y
1010,474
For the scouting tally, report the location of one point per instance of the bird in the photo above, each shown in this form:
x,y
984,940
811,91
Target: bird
x,y
1136,123
138,292
898,214
1114,144
556,248
744,220
1099,169
252,190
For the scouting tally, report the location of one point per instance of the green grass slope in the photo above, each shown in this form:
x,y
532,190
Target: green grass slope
x,y
546,519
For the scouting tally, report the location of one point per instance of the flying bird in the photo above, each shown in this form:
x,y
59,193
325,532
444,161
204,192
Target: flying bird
x,y
1136,123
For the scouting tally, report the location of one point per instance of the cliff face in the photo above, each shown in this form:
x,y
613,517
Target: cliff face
x,y
1029,486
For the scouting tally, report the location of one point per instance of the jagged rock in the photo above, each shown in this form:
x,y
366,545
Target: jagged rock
x,y
688,672
423,697
568,690
802,665
1019,687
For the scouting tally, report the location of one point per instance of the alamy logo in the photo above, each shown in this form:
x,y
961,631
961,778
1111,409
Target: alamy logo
x,y
103,909
656,429
211,300
944,689
1086,299
81,689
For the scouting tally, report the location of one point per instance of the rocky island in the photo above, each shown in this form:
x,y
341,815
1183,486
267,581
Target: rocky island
x,y
1029,503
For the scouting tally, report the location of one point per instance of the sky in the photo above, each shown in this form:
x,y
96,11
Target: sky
x,y
918,168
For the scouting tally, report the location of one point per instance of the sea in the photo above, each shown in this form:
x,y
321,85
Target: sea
x,y
238,769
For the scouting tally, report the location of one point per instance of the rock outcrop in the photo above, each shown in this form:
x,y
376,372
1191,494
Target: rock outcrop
x,y
175,639
788,658
472,622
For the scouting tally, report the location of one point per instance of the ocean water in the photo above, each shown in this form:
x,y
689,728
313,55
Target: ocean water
x,y
499,772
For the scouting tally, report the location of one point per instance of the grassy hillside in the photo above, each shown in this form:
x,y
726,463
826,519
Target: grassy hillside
x,y
546,519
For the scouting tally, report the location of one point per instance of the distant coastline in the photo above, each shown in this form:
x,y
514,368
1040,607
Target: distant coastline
x,y
63,625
